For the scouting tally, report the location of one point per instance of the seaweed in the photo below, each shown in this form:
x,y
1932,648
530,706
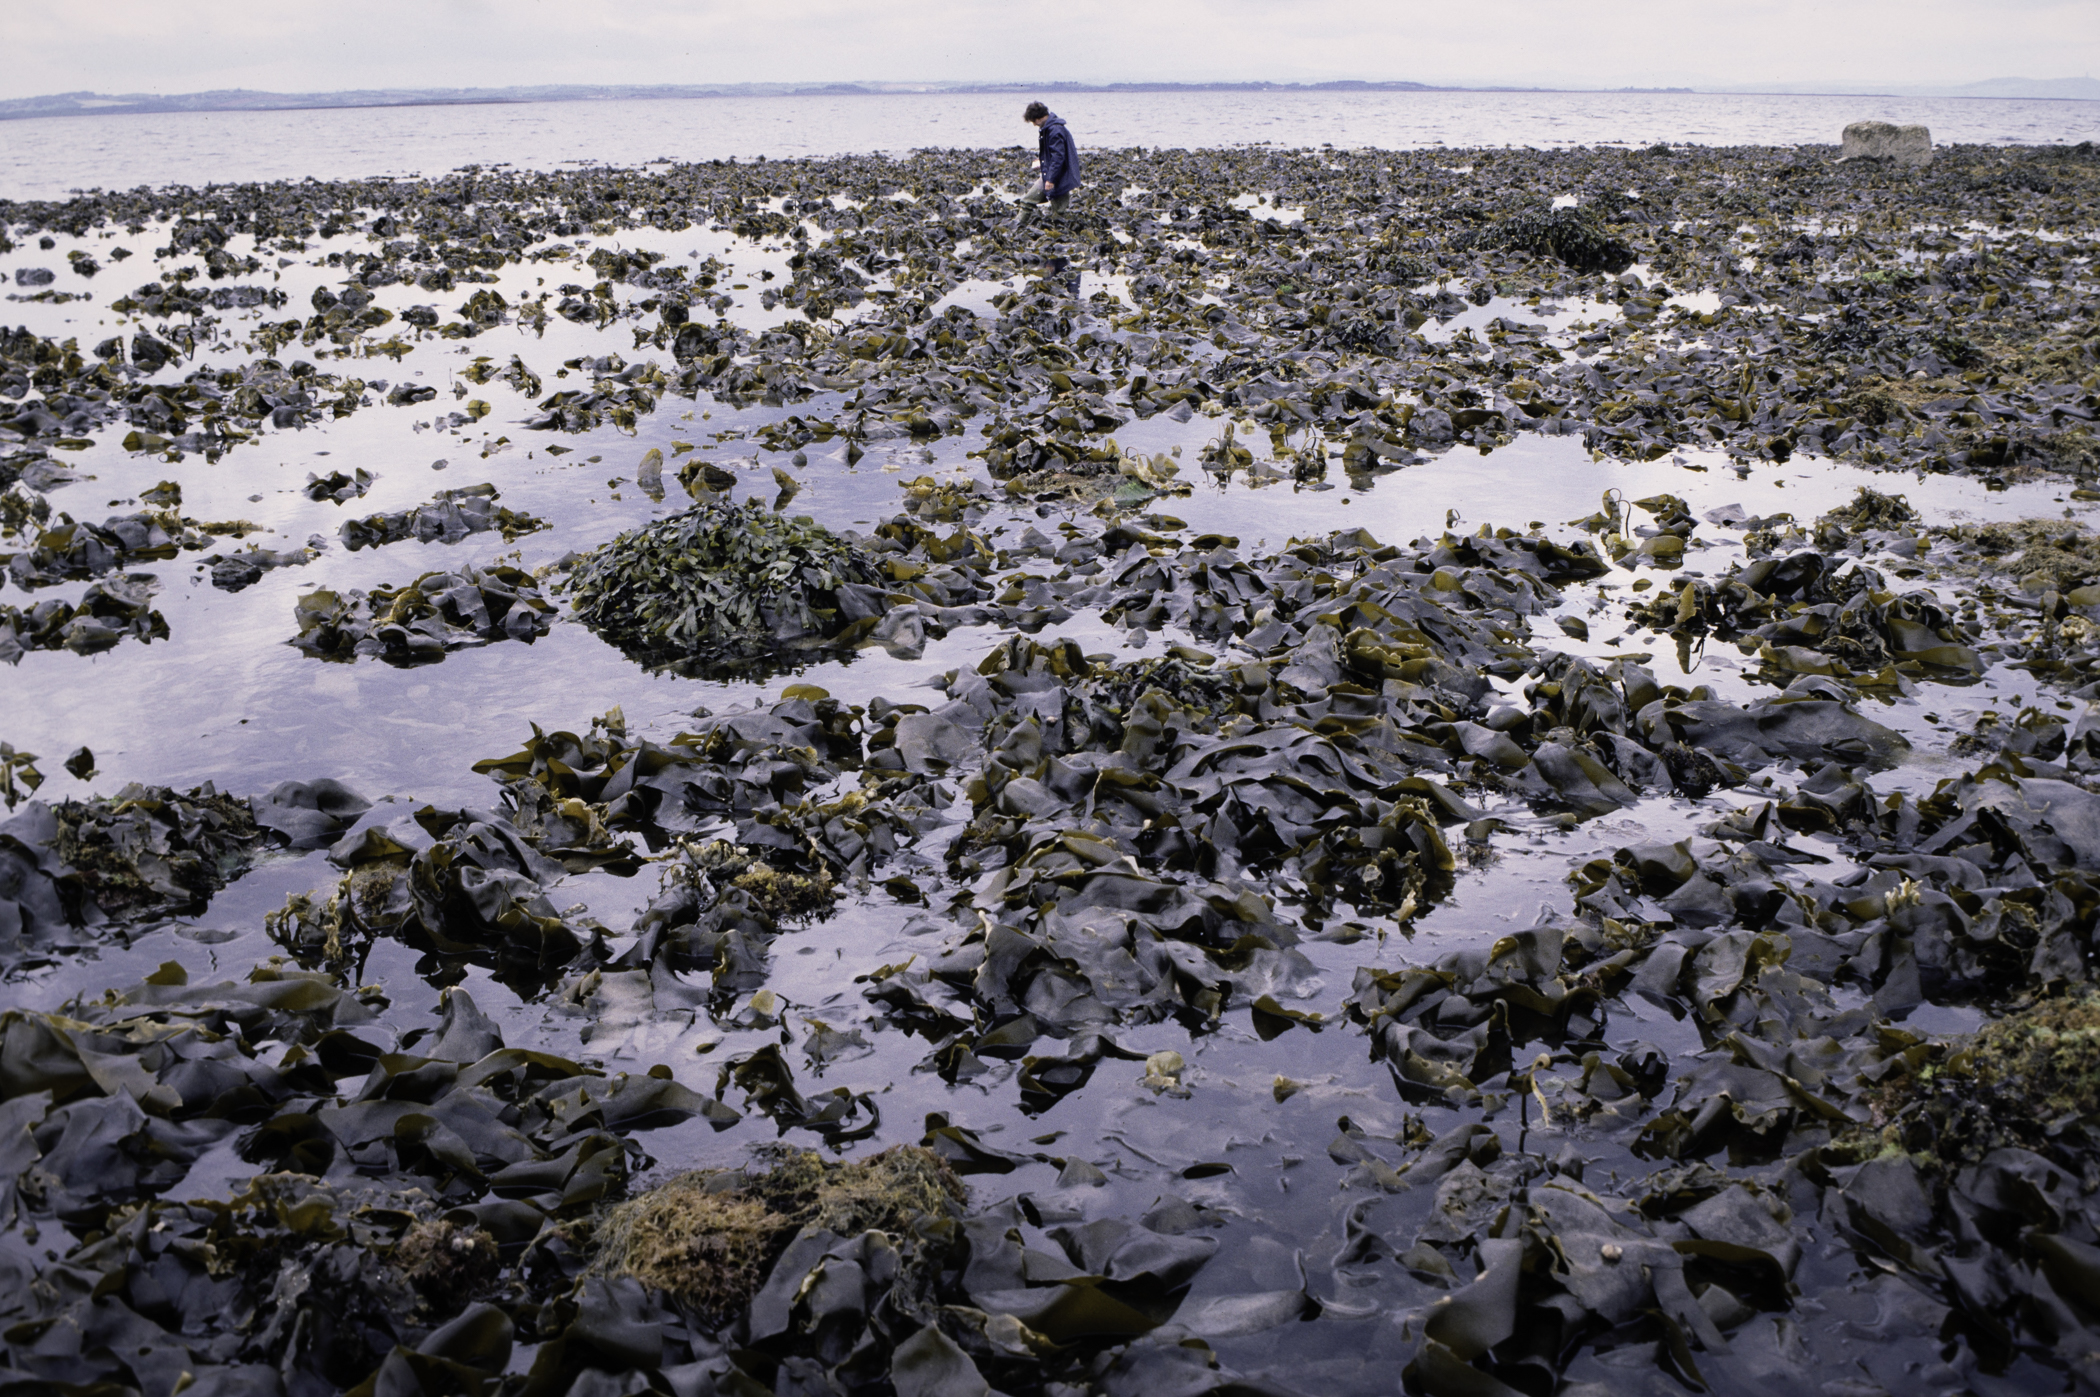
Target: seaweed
x,y
1191,828
450,516
781,896
427,619
2028,1081
719,584
709,1238
108,611
1573,235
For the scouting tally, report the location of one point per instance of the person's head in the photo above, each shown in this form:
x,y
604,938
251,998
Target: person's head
x,y
1035,113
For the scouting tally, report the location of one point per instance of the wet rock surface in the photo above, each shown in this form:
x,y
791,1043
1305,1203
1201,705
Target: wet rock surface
x,y
1883,140
919,916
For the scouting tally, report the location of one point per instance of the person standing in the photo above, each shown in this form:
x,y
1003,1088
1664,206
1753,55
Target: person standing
x,y
1059,156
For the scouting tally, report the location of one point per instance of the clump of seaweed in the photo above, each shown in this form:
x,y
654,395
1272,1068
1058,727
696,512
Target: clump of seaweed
x,y
777,893
1572,235
1870,509
946,501
2029,1080
150,849
708,1238
2066,560
425,620
2044,554
720,583
1198,689
446,1263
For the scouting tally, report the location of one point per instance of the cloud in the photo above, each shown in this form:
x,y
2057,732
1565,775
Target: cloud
x,y
133,45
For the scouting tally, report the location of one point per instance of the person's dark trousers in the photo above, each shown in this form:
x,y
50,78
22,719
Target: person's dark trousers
x,y
1032,211
1033,201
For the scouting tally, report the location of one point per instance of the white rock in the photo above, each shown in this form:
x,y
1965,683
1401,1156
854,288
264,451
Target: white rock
x,y
1881,140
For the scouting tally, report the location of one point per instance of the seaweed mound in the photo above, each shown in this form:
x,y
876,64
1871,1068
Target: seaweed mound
x,y
720,583
709,1238
1571,235
149,849
1870,509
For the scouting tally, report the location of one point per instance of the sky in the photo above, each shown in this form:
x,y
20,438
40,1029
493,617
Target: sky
x,y
173,46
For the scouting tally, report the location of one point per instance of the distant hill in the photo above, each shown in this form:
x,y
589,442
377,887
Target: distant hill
x,y
2086,89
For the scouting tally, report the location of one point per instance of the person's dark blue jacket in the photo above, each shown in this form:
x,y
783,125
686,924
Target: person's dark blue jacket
x,y
1060,155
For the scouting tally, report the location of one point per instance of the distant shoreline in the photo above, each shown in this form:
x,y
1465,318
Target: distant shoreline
x,y
239,100
93,103
87,104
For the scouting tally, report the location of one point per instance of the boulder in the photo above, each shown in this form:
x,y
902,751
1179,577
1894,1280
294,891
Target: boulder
x,y
1882,140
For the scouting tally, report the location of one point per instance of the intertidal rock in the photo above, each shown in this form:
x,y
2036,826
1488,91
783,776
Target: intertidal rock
x,y
1882,140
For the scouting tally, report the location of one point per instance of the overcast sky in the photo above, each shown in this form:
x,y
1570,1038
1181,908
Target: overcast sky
x,y
301,46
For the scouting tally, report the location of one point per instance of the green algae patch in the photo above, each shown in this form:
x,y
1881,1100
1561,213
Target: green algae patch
x,y
447,1264
708,1238
721,583
779,894
2029,1080
699,1238
2043,554
2066,560
2046,1060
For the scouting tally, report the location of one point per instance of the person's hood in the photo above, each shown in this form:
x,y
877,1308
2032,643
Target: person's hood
x,y
1052,120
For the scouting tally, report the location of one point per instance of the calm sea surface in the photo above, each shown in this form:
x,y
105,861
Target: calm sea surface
x,y
42,159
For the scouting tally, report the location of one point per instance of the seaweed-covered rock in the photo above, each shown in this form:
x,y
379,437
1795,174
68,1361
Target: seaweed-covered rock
x,y
237,571
779,895
464,884
1573,235
721,583
1808,614
148,851
69,550
424,621
450,516
71,872
107,612
2043,555
337,485
292,1280
1871,509
307,1272
875,1267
